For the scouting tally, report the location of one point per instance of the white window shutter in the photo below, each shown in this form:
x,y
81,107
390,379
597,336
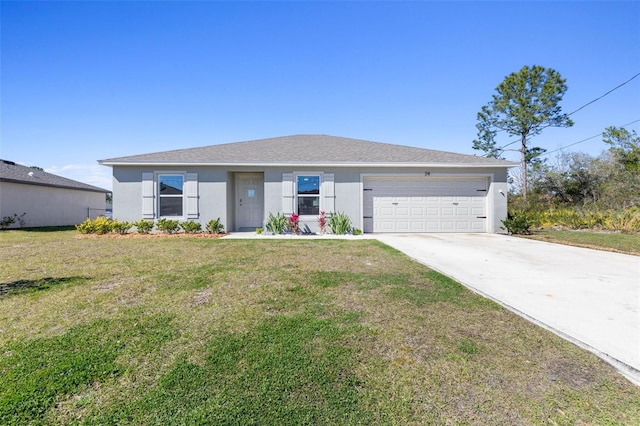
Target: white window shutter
x,y
329,193
191,192
148,198
287,193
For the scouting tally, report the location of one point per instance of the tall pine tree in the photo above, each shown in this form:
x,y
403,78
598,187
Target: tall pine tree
x,y
524,104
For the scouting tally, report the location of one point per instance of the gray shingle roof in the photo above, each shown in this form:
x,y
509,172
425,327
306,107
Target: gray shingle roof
x,y
15,173
308,150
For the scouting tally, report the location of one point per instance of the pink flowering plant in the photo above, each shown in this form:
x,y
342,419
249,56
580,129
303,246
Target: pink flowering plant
x,y
294,223
322,222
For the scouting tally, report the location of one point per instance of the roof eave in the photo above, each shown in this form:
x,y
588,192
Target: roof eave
x,y
507,164
53,185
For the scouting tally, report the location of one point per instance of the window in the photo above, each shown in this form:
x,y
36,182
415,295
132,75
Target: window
x,y
170,195
308,192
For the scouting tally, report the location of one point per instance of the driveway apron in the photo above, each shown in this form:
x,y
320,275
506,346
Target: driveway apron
x,y
589,297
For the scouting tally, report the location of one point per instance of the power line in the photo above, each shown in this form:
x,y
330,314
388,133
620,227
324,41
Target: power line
x,y
584,140
582,107
600,97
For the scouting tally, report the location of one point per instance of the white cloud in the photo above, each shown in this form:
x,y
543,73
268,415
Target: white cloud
x,y
92,174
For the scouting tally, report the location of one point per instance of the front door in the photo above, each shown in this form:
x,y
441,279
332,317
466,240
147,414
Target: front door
x,y
249,201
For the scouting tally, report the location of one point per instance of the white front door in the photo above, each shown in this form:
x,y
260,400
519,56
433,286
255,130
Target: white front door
x,y
249,201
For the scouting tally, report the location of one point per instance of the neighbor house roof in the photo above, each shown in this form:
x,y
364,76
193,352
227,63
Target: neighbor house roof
x,y
15,173
309,150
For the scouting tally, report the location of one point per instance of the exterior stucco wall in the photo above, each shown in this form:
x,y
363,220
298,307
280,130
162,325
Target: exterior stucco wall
x,y
216,190
49,206
212,191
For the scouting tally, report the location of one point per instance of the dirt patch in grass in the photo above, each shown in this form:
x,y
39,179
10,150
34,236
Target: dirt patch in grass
x,y
108,286
277,332
202,297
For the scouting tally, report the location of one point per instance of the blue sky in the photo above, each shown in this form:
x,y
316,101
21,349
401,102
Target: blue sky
x,y
83,81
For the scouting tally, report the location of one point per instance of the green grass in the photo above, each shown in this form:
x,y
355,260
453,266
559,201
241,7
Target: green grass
x,y
194,331
287,369
34,372
618,242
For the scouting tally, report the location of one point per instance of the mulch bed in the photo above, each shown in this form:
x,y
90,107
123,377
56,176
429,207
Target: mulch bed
x,y
153,235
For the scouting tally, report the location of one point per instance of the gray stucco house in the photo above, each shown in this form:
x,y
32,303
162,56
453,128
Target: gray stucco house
x,y
46,199
382,187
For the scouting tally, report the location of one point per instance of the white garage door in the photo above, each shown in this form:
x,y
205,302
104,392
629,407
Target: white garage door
x,y
425,204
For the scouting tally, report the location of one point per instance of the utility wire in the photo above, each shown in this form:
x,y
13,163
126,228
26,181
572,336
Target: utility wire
x,y
583,140
582,107
600,97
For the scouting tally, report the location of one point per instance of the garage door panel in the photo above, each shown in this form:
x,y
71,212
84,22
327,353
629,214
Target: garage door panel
x,y
417,227
384,211
402,226
447,226
425,205
477,226
432,226
386,226
446,211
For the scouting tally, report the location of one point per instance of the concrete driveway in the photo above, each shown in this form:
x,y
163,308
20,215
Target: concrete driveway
x,y
589,297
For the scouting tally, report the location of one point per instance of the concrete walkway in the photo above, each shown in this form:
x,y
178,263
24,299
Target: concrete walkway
x,y
589,297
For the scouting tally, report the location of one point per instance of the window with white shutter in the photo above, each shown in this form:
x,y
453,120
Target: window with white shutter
x,y
170,194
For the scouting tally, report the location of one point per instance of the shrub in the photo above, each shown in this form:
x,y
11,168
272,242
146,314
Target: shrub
x,y
570,218
294,223
7,221
100,225
277,224
259,231
214,226
517,223
143,226
121,227
168,226
322,222
357,231
191,227
594,220
627,220
340,223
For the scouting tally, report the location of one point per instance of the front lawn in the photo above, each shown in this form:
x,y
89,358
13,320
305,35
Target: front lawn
x,y
199,331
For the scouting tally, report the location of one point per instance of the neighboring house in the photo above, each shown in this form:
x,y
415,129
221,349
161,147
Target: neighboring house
x,y
44,199
382,187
